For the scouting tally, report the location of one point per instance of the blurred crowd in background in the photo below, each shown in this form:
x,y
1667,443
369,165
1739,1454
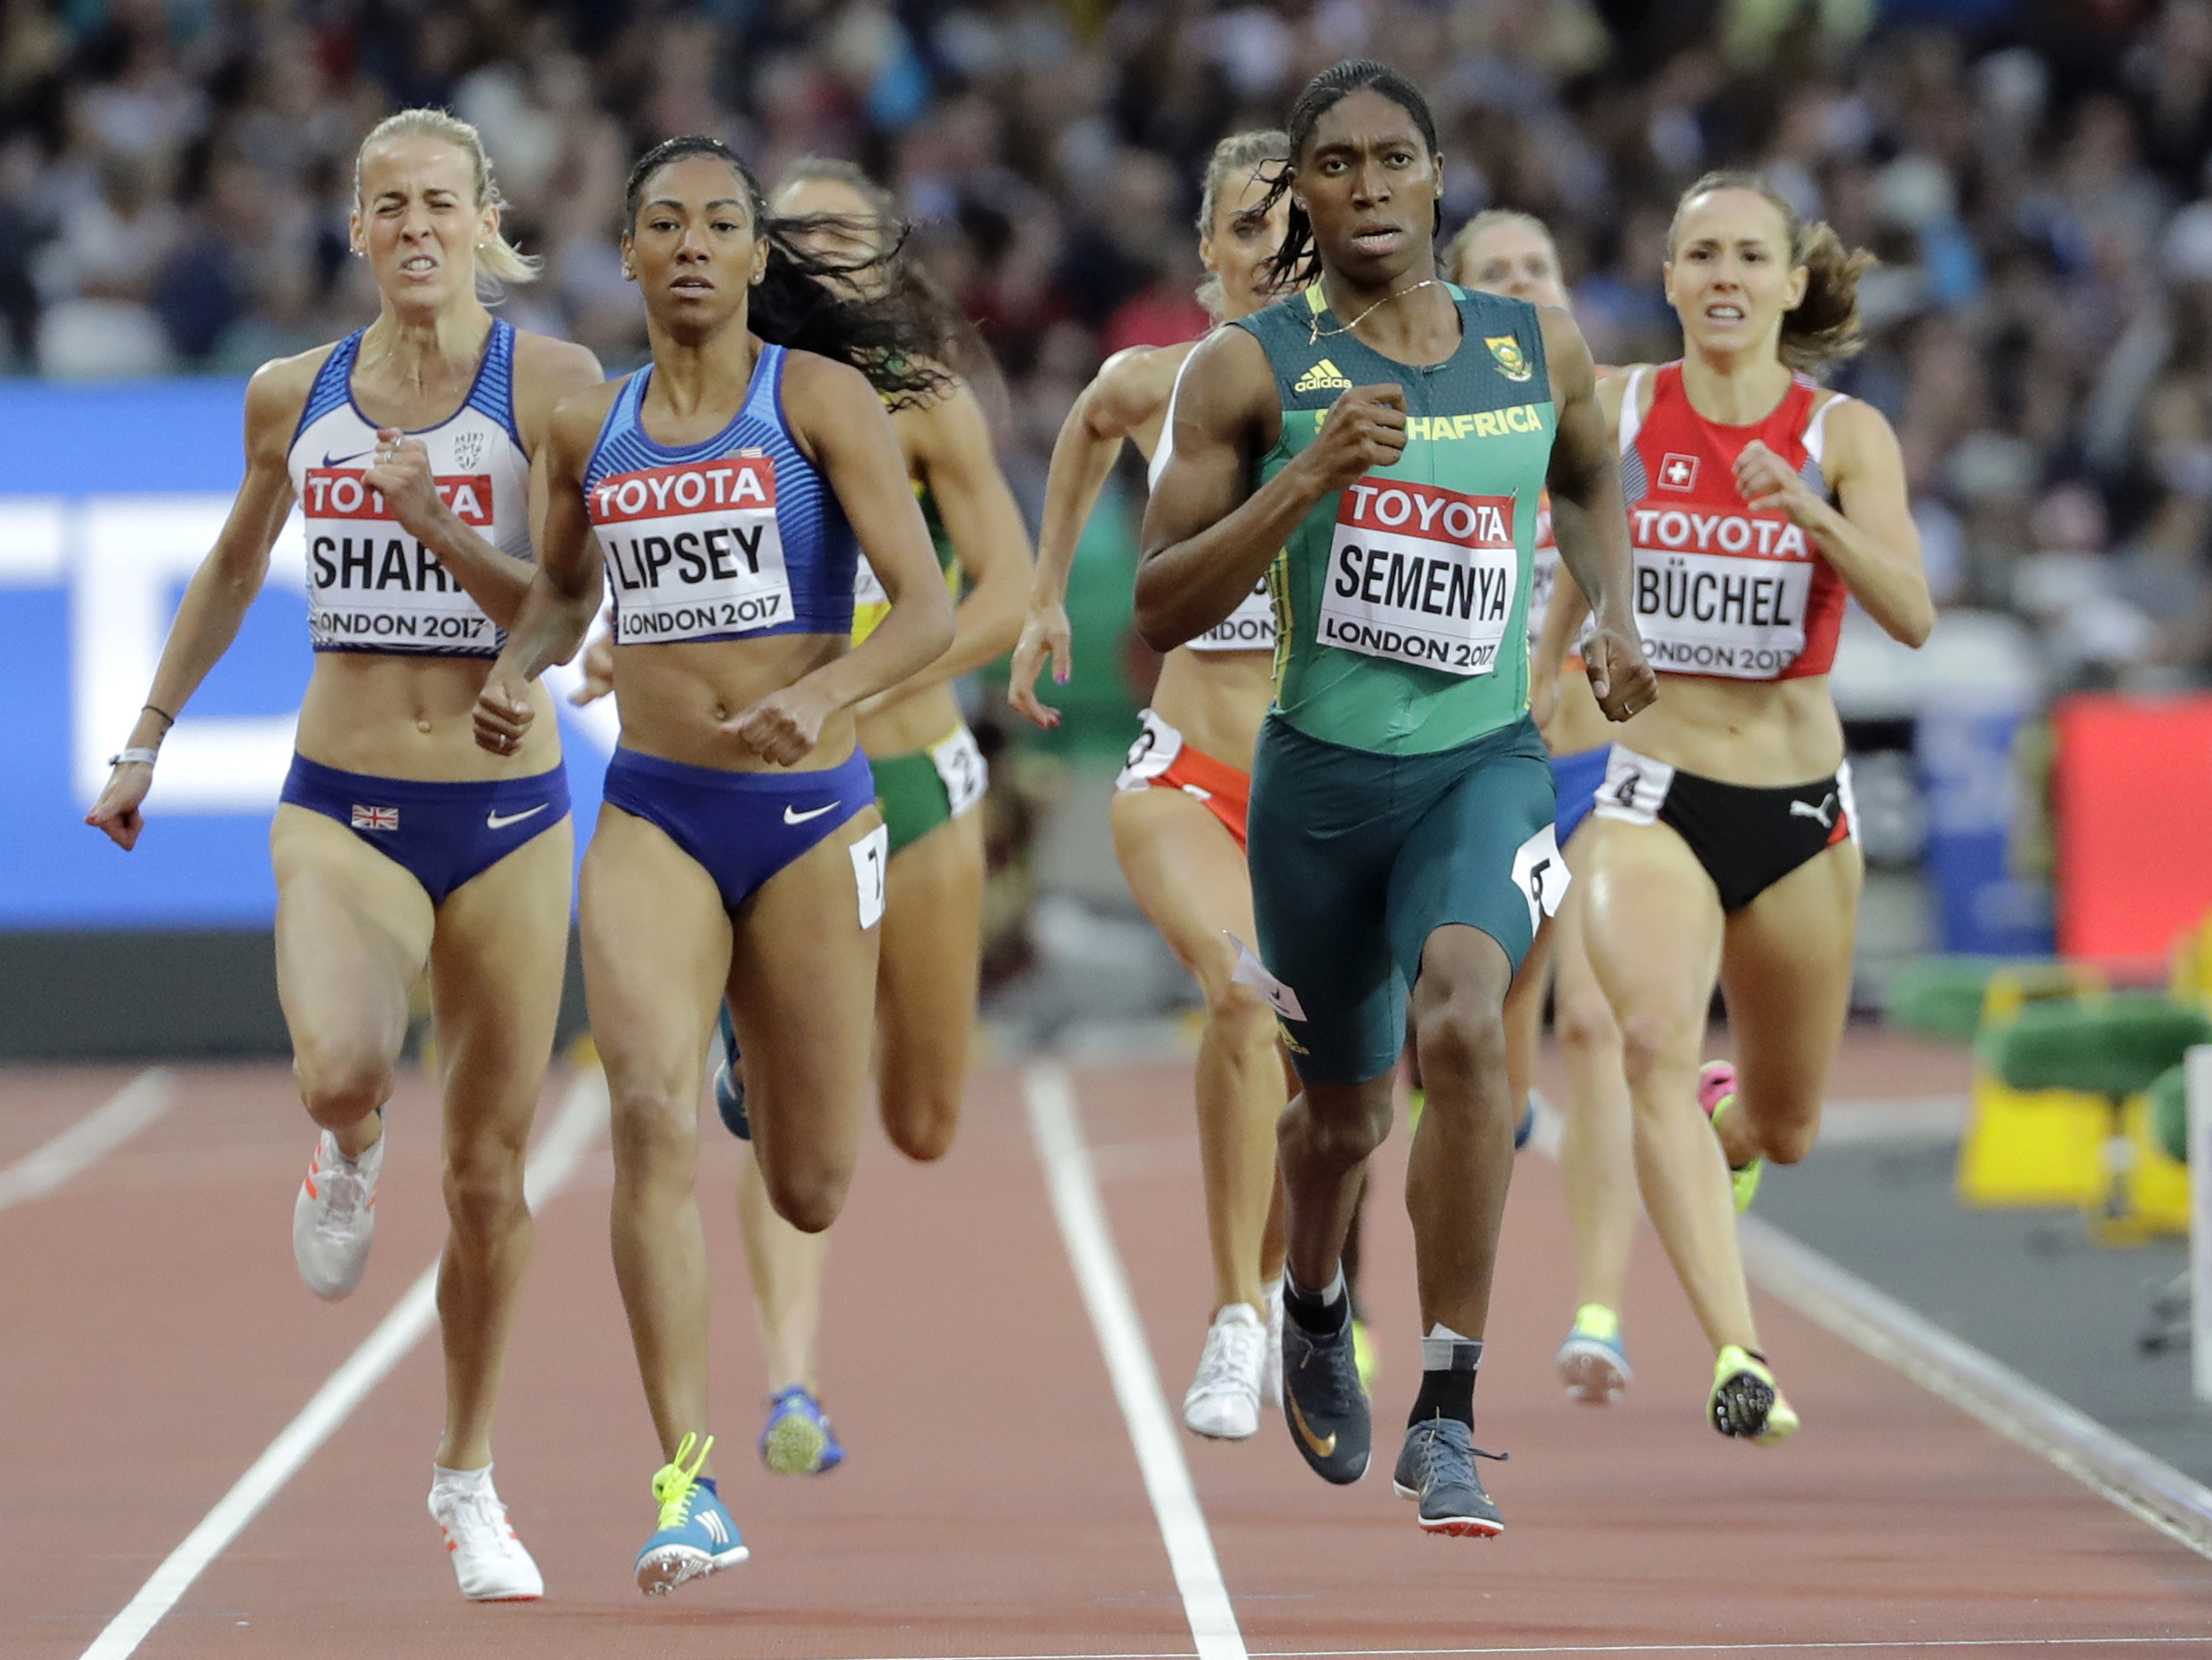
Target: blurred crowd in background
x,y
174,178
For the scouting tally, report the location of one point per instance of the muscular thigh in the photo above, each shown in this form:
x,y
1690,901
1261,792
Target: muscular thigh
x,y
1188,875
801,991
497,964
1651,921
1787,974
353,931
933,921
656,953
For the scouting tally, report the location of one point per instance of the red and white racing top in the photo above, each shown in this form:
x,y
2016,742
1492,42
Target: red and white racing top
x,y
1720,590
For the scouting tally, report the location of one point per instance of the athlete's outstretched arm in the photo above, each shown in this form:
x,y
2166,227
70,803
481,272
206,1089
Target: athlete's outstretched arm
x,y
216,599
546,371
1871,538
839,423
562,596
1590,523
1127,391
985,522
1208,535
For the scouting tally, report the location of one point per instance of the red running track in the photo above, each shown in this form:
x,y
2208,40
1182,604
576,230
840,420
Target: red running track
x,y
158,1339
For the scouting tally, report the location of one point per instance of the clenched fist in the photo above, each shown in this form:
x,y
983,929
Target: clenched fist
x,y
1364,428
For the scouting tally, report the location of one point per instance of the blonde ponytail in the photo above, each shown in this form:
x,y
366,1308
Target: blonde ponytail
x,y
1824,327
497,261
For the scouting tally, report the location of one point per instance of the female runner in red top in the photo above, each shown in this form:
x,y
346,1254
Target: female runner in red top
x,y
1722,846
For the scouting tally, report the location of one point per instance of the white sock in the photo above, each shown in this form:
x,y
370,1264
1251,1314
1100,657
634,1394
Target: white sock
x,y
1438,1347
460,1481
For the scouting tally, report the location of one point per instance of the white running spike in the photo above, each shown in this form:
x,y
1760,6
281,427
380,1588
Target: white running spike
x,y
1223,1402
334,1218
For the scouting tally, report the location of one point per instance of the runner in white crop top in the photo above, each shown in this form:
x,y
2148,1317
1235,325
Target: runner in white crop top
x,y
400,845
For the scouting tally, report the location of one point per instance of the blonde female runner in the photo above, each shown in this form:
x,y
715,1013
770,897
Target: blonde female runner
x,y
1178,812
415,450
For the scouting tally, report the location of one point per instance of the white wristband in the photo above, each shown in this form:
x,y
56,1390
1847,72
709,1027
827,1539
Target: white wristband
x,y
134,757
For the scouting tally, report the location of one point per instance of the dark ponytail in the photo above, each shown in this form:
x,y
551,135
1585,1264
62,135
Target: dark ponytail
x,y
1824,327
853,311
1298,260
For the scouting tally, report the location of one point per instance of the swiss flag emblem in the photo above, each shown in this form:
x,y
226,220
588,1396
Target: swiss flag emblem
x,y
1677,472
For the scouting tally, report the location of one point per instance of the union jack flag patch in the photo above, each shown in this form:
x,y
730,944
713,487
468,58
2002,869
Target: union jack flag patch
x,y
376,818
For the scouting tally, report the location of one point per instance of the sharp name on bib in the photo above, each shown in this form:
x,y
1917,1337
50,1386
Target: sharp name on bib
x,y
1422,574
694,549
370,585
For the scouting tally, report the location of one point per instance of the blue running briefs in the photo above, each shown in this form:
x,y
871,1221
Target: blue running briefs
x,y
444,833
1576,778
740,827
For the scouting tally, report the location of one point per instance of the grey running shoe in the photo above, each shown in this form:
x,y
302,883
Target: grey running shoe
x,y
1322,1402
1437,1467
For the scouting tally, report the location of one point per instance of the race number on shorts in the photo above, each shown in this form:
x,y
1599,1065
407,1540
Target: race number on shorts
x,y
1420,575
1154,751
1541,875
1251,972
869,855
961,766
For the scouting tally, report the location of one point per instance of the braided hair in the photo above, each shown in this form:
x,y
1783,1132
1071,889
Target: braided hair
x,y
850,309
1299,260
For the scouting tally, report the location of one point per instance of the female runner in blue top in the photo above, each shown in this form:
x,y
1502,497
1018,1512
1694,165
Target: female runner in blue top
x,y
728,489
414,450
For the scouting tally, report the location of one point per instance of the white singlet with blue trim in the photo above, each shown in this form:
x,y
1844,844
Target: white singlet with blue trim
x,y
1251,626
371,586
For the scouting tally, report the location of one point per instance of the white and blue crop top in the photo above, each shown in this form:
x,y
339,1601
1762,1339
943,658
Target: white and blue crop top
x,y
371,586
722,540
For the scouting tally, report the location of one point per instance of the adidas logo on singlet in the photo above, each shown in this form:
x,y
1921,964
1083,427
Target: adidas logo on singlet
x,y
1324,376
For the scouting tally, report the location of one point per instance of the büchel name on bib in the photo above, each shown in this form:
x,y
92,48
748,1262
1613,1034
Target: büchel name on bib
x,y
371,586
1420,575
1720,593
694,549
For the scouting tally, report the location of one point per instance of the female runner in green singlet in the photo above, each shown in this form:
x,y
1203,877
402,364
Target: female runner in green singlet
x,y
1379,444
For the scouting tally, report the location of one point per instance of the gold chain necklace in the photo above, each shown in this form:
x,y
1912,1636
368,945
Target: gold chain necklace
x,y
1317,334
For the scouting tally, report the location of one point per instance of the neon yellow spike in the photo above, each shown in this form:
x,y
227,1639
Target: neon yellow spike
x,y
673,1485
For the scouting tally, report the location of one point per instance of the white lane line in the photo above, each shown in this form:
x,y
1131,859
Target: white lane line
x,y
98,1133
582,1114
1058,1130
1983,1388
1816,1645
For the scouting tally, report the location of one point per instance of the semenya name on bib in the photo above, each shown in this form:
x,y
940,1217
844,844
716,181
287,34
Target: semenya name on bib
x,y
1422,574
722,540
1720,590
371,586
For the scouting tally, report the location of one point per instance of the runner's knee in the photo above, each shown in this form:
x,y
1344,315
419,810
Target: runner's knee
x,y
654,1137
1581,1018
921,1119
1789,1141
808,1196
483,1179
341,1085
1237,1013
1457,1046
1342,1134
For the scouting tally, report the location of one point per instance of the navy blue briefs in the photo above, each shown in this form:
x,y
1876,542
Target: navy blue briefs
x,y
441,833
740,827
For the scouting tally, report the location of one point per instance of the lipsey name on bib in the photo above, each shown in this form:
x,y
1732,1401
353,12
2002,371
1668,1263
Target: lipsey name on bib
x,y
1420,575
371,586
693,549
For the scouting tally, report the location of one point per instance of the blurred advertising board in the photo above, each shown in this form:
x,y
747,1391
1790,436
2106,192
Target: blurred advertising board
x,y
110,497
2132,798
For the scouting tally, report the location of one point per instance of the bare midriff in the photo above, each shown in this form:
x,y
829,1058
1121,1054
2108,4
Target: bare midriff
x,y
676,698
395,717
1217,699
1764,733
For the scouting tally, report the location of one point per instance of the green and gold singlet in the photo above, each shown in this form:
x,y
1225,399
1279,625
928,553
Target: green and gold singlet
x,y
1402,602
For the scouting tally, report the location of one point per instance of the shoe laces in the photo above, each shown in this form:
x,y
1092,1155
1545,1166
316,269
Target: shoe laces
x,y
1333,1361
343,1188
1448,1434
480,1519
1235,1353
674,1485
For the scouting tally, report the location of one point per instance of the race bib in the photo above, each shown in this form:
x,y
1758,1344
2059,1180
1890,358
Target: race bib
x,y
869,855
693,549
371,586
1720,593
1249,628
1635,787
960,763
1541,875
1154,751
1420,575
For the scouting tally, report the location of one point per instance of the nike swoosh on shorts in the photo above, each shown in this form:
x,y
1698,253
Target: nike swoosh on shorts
x,y
494,821
800,817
